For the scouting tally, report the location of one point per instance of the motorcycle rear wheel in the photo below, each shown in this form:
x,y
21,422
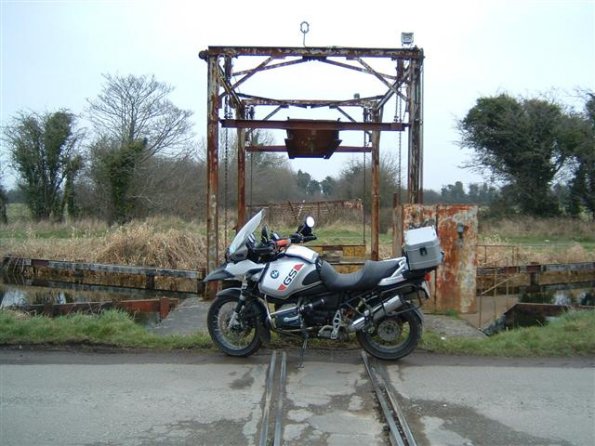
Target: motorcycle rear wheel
x,y
392,337
241,340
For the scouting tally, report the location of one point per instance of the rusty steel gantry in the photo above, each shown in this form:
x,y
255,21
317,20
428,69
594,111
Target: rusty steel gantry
x,y
311,138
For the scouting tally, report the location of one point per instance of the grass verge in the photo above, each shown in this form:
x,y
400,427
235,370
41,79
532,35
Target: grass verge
x,y
571,335
114,328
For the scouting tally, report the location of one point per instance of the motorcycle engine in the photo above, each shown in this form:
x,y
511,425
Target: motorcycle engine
x,y
313,313
318,317
289,317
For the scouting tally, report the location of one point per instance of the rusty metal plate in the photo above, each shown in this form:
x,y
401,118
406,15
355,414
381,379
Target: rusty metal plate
x,y
311,143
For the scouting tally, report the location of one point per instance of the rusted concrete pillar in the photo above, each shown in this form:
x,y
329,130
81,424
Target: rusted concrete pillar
x,y
454,283
456,279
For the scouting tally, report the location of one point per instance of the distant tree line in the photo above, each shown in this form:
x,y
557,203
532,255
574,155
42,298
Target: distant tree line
x,y
140,158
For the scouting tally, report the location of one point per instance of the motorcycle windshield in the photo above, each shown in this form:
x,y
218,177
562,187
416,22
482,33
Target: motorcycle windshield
x,y
247,229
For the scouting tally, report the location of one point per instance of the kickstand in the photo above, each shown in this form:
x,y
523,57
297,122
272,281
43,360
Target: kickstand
x,y
303,350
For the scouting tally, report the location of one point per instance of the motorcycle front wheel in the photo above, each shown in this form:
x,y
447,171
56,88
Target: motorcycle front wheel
x,y
391,337
240,338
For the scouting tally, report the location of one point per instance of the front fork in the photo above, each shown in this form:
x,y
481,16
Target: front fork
x,y
234,320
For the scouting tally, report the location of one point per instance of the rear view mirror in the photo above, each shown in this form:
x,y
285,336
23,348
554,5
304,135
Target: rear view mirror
x,y
310,221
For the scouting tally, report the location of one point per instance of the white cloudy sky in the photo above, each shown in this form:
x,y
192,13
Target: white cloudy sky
x,y
53,53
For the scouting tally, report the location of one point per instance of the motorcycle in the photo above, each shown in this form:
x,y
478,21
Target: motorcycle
x,y
278,285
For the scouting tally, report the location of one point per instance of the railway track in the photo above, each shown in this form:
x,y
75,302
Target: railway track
x,y
273,410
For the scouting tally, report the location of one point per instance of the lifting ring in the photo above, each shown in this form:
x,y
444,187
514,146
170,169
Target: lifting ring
x,y
304,28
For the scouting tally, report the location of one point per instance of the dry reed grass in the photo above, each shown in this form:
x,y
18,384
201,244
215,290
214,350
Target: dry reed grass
x,y
144,244
174,243
73,249
159,242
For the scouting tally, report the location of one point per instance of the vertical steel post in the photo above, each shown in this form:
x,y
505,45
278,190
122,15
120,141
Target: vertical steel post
x,y
213,105
415,161
419,86
375,223
241,135
241,154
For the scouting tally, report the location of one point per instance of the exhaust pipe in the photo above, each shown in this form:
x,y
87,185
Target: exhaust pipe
x,y
377,312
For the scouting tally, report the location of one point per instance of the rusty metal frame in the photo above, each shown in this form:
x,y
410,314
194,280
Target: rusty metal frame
x,y
223,84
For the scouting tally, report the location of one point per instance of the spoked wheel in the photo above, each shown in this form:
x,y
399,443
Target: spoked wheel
x,y
392,337
235,338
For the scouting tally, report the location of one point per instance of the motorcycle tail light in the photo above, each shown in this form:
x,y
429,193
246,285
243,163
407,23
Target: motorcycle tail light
x,y
427,277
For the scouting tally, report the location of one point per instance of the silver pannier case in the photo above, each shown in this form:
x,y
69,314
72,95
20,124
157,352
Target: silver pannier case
x,y
422,248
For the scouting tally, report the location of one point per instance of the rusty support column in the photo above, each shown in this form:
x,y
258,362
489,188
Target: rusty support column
x,y
241,135
415,157
241,179
374,250
212,172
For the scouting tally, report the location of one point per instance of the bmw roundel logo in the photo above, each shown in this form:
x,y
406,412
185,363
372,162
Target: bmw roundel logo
x,y
274,274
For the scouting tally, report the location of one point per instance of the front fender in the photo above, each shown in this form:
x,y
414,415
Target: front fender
x,y
218,274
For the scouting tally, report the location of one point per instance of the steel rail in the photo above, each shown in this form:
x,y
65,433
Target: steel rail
x,y
268,396
277,441
273,400
400,434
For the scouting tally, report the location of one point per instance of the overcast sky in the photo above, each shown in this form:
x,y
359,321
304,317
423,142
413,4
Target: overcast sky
x,y
53,53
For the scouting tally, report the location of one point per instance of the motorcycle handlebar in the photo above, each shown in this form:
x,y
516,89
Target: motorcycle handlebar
x,y
299,238
274,247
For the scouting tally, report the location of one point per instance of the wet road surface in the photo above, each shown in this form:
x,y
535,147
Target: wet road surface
x,y
135,398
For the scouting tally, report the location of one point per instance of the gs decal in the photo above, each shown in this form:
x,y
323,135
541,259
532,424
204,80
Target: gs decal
x,y
289,278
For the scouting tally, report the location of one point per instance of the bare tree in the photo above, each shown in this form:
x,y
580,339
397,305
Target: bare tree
x,y
136,108
134,121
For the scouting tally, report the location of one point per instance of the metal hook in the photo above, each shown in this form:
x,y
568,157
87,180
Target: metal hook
x,y
304,28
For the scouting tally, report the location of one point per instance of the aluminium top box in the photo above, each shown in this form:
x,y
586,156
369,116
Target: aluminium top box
x,y
422,248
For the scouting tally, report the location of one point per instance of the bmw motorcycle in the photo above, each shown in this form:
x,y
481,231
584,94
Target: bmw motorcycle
x,y
279,285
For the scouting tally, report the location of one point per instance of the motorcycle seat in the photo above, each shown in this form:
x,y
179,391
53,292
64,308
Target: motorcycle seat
x,y
364,279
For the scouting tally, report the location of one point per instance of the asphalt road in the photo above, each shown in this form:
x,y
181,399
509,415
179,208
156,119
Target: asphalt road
x,y
136,398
